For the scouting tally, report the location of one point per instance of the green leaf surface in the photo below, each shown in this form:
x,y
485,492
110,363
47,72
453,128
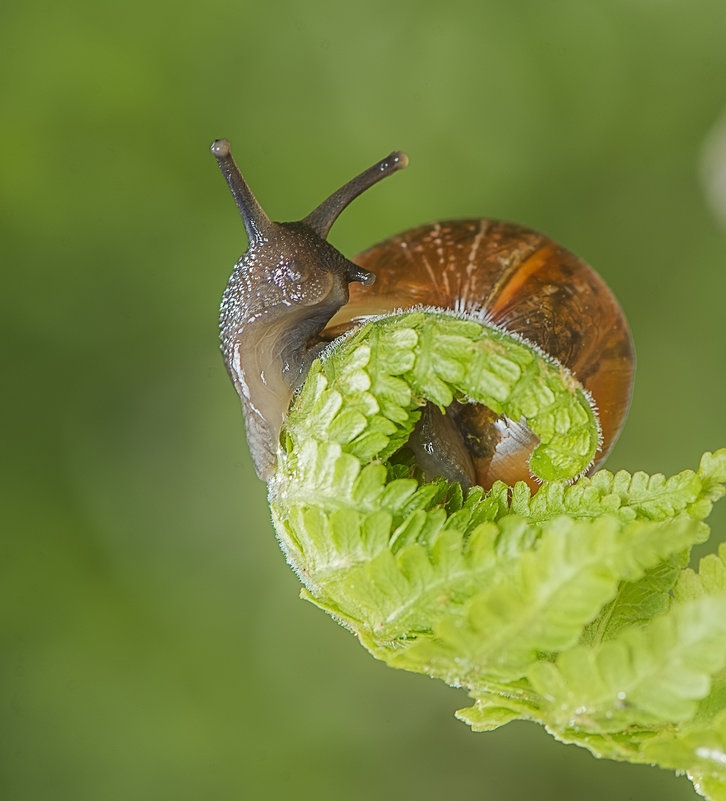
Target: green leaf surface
x,y
572,607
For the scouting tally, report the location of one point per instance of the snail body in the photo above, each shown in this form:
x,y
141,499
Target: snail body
x,y
292,292
281,294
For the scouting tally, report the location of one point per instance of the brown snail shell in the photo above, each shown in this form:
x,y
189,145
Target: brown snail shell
x,y
521,281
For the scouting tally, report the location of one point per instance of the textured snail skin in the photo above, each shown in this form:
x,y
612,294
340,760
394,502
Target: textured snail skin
x,y
521,281
273,304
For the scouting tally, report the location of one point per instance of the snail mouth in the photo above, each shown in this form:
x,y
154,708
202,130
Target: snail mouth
x,y
471,445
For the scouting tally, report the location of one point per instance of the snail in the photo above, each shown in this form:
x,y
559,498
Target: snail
x,y
292,292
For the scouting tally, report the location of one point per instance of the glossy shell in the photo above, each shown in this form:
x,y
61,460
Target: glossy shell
x,y
522,281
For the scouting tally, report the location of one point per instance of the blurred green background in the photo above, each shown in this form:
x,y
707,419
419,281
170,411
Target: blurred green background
x,y
153,644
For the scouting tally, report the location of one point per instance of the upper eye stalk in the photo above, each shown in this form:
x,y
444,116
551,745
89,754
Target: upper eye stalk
x,y
320,220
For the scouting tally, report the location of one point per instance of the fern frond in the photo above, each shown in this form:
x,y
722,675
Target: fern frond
x,y
572,606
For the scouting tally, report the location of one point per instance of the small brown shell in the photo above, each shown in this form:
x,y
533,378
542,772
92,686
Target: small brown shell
x,y
519,280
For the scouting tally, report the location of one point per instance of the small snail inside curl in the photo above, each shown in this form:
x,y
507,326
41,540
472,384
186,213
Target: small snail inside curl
x,y
292,292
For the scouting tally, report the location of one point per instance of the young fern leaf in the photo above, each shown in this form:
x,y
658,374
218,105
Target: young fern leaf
x,y
571,607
